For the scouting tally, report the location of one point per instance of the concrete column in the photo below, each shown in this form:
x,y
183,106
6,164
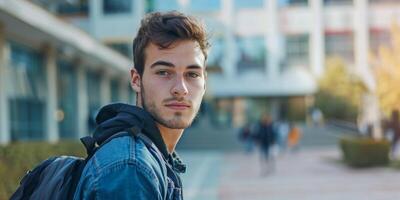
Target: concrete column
x,y
139,9
230,54
105,89
52,133
361,42
95,13
317,37
124,91
83,102
371,112
272,39
5,134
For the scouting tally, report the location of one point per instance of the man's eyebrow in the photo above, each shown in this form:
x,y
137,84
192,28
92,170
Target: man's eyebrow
x,y
163,63
168,64
194,67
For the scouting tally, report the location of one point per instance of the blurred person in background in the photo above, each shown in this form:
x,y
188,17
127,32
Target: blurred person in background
x,y
294,136
282,129
169,78
266,138
317,117
246,136
392,131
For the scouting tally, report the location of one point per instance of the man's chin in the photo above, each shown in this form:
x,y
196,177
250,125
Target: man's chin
x,y
176,123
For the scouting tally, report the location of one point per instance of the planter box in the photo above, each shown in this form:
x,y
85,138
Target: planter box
x,y
365,152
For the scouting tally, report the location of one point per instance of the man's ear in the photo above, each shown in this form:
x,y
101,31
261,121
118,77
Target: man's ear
x,y
135,80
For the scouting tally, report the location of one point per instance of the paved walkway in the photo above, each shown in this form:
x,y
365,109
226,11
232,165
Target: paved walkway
x,y
313,173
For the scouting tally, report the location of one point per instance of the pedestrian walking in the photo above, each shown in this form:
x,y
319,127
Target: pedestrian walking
x,y
294,138
247,138
393,131
266,137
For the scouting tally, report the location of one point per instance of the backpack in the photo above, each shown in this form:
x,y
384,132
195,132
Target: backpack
x,y
57,177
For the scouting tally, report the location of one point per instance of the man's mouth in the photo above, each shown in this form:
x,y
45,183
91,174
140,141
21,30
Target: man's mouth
x,y
178,106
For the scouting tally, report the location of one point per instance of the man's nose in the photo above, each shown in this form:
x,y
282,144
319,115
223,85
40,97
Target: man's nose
x,y
179,89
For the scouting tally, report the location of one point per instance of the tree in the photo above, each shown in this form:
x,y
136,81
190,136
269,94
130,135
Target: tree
x,y
386,66
340,91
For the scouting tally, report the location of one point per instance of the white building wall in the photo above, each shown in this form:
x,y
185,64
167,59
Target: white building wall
x,y
230,50
273,54
317,39
119,26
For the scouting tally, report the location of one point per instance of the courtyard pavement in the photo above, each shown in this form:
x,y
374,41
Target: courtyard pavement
x,y
313,173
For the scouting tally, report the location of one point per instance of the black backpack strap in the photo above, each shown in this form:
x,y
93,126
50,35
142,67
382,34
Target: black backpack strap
x,y
91,145
137,132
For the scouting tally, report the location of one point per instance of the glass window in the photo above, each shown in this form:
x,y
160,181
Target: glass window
x,y
293,2
383,1
298,2
73,7
379,39
251,54
67,100
248,4
205,5
27,93
117,6
221,112
93,88
338,2
123,48
115,96
340,44
149,6
165,5
215,55
297,48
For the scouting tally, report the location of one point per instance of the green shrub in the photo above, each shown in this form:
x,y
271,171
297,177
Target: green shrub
x,y
17,158
395,164
365,152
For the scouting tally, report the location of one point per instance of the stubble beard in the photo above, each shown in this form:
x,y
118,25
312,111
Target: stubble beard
x,y
177,122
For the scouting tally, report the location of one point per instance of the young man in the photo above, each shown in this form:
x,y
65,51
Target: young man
x,y
170,52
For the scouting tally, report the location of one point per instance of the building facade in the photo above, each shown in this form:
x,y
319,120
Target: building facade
x,y
53,76
266,55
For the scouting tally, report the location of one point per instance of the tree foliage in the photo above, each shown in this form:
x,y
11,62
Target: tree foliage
x,y
340,91
386,65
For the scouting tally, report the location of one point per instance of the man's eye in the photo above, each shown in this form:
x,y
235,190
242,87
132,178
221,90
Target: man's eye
x,y
162,73
193,75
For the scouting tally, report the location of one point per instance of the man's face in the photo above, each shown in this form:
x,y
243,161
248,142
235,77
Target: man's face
x,y
173,83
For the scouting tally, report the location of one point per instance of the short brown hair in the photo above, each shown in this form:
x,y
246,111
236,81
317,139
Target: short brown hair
x,y
163,29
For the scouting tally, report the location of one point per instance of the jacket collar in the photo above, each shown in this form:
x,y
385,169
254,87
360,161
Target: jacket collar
x,y
117,117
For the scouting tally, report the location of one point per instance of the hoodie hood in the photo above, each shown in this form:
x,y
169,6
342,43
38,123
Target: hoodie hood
x,y
117,117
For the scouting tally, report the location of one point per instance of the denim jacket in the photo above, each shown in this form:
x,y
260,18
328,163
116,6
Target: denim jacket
x,y
130,167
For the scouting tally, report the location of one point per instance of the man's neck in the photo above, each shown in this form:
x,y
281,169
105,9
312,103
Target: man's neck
x,y
170,136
